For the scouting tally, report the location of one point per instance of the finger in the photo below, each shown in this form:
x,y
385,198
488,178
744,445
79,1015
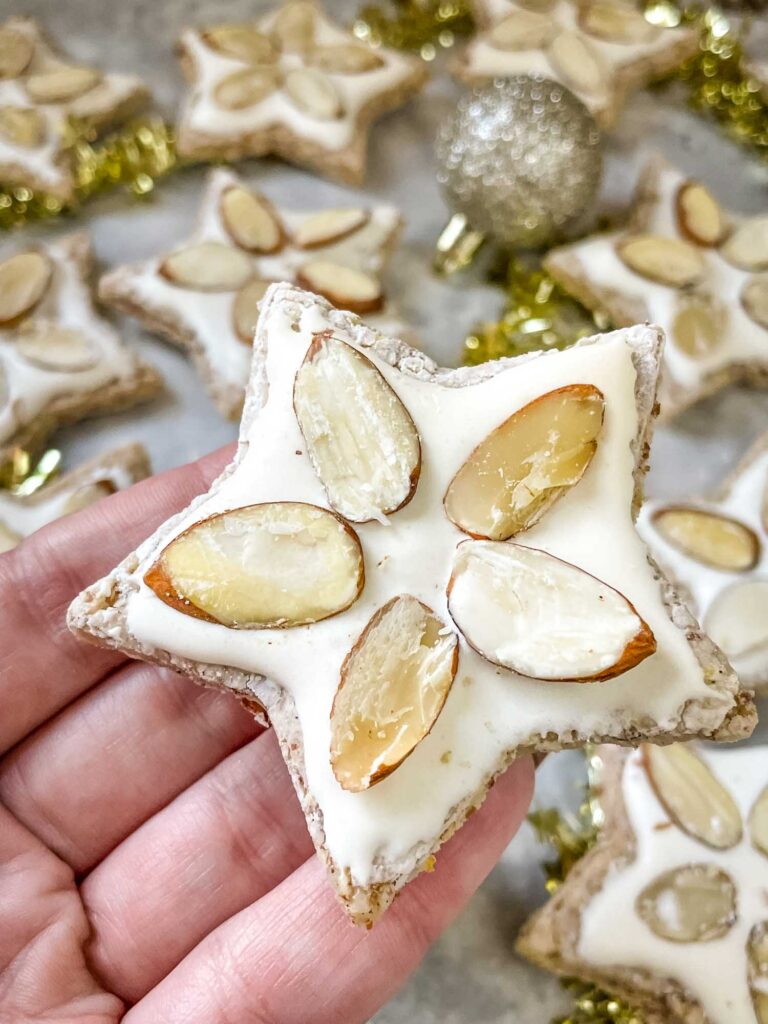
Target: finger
x,y
42,666
292,957
129,746
217,848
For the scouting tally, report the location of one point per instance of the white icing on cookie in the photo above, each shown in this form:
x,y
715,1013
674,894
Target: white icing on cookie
x,y
714,972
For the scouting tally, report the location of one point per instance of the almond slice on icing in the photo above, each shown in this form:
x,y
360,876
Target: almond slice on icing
x,y
669,261
522,30
747,245
523,466
61,84
329,226
345,287
698,326
616,22
47,344
754,299
530,612
267,566
737,621
360,437
394,683
208,267
241,41
314,94
9,539
22,126
344,59
16,50
293,26
692,796
245,312
88,495
251,221
24,279
699,216
757,970
246,88
578,63
709,537
693,903
758,822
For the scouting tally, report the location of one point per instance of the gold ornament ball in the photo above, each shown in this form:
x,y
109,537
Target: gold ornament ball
x,y
521,158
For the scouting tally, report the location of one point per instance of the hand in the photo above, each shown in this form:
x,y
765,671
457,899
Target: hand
x,y
154,862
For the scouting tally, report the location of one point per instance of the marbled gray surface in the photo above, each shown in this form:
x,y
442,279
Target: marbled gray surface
x,y
472,976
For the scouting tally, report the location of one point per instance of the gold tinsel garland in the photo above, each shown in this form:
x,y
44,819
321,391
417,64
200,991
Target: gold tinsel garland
x,y
20,475
419,25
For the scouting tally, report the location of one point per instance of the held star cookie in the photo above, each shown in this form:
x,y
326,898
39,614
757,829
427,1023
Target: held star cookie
x,y
59,360
204,295
39,91
22,514
668,910
689,266
292,84
599,49
716,551
420,574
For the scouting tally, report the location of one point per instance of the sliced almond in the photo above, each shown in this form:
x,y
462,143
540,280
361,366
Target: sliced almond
x,y
344,59
88,495
530,612
208,267
61,84
245,312
360,437
16,50
669,261
9,539
616,22
757,970
50,346
251,221
699,216
692,796
522,30
697,326
267,566
22,126
246,88
737,620
329,226
578,63
747,245
294,26
758,822
241,41
345,287
709,537
314,94
694,903
754,299
24,279
393,686
523,466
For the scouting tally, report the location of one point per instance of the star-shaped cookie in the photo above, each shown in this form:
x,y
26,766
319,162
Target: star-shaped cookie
x,y
716,551
387,569
22,514
599,49
668,910
204,294
39,90
292,84
59,360
689,266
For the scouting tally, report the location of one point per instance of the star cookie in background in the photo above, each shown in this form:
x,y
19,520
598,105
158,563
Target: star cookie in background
x,y
204,295
59,360
22,514
667,911
686,264
292,84
39,91
409,577
600,50
716,551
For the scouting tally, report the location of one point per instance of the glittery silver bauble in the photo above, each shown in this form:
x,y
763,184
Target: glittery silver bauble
x,y
520,158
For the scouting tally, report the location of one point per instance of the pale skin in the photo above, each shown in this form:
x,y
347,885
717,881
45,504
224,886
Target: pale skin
x,y
154,861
